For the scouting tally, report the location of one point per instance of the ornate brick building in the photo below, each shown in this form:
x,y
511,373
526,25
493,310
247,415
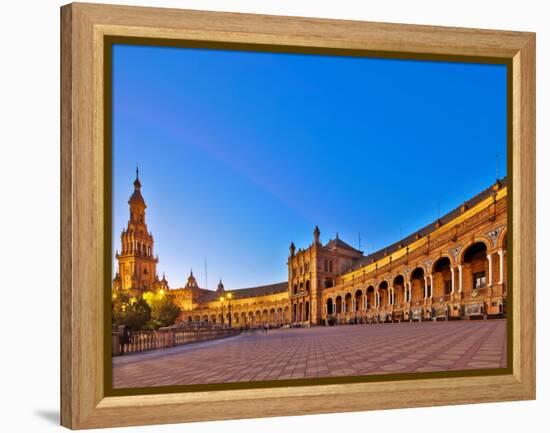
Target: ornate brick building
x,y
453,268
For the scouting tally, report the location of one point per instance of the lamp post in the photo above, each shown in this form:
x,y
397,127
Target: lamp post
x,y
221,300
229,296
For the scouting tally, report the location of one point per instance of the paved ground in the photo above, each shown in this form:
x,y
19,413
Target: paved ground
x,y
321,352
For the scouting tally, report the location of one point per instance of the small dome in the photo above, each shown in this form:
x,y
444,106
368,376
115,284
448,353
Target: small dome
x,y
191,280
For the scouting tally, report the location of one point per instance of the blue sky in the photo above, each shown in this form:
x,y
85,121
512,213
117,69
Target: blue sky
x,y
241,152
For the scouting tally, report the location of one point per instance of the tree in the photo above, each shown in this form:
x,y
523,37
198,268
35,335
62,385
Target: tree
x,y
129,311
164,311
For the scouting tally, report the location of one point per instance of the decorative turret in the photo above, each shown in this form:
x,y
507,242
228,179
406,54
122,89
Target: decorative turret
x,y
316,234
164,283
292,249
136,199
191,281
221,288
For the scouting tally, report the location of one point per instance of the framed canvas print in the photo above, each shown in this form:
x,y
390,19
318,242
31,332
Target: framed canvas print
x,y
315,215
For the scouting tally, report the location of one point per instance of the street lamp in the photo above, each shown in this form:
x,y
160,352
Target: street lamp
x,y
221,300
229,296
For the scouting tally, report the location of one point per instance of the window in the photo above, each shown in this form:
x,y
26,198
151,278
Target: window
x,y
448,287
326,265
479,280
330,266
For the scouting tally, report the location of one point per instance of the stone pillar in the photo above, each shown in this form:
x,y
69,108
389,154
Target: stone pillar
x,y
459,278
353,304
452,280
501,266
432,286
490,261
425,286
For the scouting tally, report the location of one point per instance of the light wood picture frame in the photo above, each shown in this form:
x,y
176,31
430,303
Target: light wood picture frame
x,y
85,28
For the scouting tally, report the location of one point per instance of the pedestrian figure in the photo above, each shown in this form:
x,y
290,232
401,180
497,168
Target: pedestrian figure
x,y
124,333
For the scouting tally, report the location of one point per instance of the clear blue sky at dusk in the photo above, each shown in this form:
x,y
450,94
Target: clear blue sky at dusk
x,y
241,153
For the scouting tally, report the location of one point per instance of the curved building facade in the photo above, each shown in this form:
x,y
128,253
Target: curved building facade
x,y
454,268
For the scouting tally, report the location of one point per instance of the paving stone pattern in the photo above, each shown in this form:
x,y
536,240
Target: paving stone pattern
x,y
321,352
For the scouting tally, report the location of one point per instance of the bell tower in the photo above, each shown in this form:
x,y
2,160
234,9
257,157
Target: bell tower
x,y
137,267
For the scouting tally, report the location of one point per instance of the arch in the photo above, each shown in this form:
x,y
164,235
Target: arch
x,y
417,284
442,255
442,277
370,297
338,304
479,239
359,304
348,302
502,241
383,292
243,318
280,317
399,289
330,307
417,268
307,286
306,311
475,267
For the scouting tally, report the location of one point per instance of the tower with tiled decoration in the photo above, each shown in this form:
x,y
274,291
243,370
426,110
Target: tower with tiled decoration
x,y
137,265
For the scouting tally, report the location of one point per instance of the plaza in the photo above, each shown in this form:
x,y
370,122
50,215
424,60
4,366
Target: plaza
x,y
322,351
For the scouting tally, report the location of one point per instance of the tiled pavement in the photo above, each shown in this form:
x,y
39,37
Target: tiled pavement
x,y
321,352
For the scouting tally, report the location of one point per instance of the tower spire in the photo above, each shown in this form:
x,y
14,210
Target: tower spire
x,y
137,183
316,234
